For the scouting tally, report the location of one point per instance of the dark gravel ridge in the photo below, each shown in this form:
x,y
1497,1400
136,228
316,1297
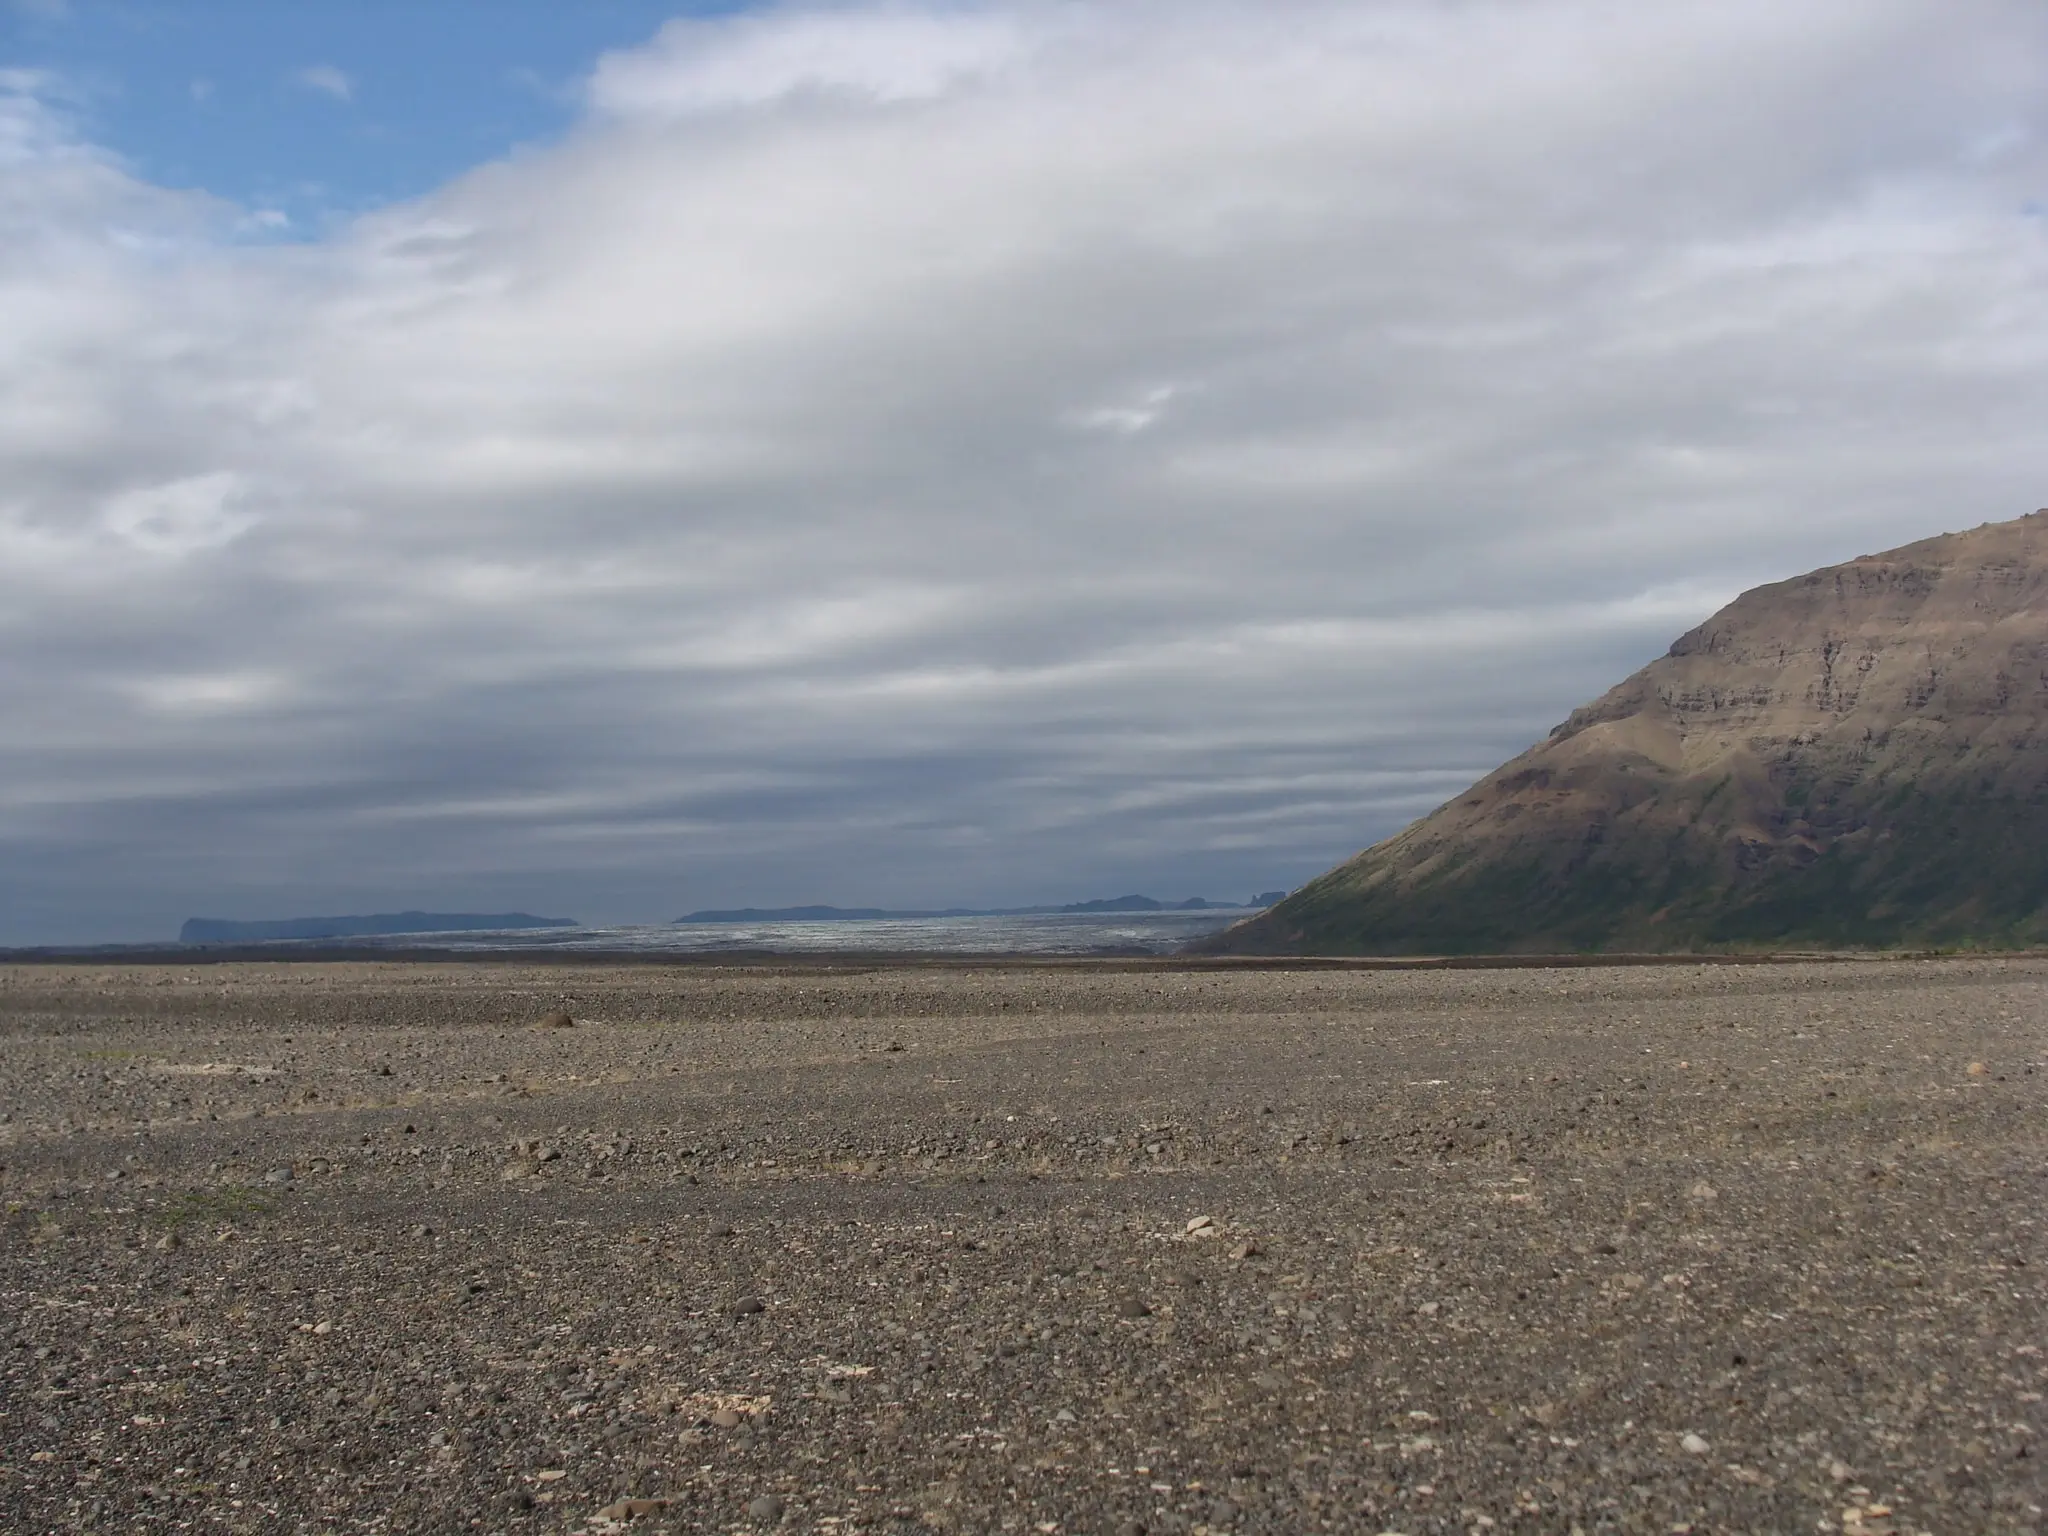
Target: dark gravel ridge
x,y
365,1248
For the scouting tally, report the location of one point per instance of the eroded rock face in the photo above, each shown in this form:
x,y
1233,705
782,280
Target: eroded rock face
x,y
1858,756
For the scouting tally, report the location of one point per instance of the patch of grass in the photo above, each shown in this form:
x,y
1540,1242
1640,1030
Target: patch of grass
x,y
211,1207
31,1222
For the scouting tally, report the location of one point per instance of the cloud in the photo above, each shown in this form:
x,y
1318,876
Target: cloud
x,y
1142,412
926,454
182,517
327,81
865,57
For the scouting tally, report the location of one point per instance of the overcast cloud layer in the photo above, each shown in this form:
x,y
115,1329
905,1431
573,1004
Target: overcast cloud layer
x,y
904,455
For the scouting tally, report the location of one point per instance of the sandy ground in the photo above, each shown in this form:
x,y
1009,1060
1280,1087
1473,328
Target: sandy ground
x,y
1031,1248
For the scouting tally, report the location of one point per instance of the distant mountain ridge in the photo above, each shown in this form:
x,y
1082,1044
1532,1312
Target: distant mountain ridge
x,y
213,930
1857,757
816,914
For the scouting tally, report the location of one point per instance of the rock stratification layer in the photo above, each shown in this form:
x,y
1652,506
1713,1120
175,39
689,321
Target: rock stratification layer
x,y
1856,757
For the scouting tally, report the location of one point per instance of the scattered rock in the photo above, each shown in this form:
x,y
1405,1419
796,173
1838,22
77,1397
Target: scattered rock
x,y
622,1510
618,1329
1200,1224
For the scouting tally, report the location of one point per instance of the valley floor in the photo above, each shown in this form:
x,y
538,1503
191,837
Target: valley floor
x,y
1033,1248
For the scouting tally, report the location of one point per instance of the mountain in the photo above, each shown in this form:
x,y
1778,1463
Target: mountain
x,y
1857,757
861,914
213,930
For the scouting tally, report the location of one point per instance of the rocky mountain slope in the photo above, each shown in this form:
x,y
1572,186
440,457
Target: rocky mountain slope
x,y
1855,757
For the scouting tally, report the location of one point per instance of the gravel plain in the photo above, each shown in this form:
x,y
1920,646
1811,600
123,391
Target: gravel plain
x,y
1118,1248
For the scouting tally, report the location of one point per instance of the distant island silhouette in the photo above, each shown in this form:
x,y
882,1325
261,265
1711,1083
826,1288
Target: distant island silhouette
x,y
214,930
821,914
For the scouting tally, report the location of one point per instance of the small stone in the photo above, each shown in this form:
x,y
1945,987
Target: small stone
x,y
749,1306
278,1177
519,1168
559,1019
721,1229
1838,1471
1248,1249
725,1418
767,1509
1703,1192
1200,1224
168,1241
1693,1445
551,1475
1978,1069
1130,1306
323,1328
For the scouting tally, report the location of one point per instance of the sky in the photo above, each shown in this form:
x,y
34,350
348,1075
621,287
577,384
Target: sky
x,y
610,459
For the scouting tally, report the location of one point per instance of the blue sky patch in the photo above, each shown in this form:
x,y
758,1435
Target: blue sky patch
x,y
320,109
